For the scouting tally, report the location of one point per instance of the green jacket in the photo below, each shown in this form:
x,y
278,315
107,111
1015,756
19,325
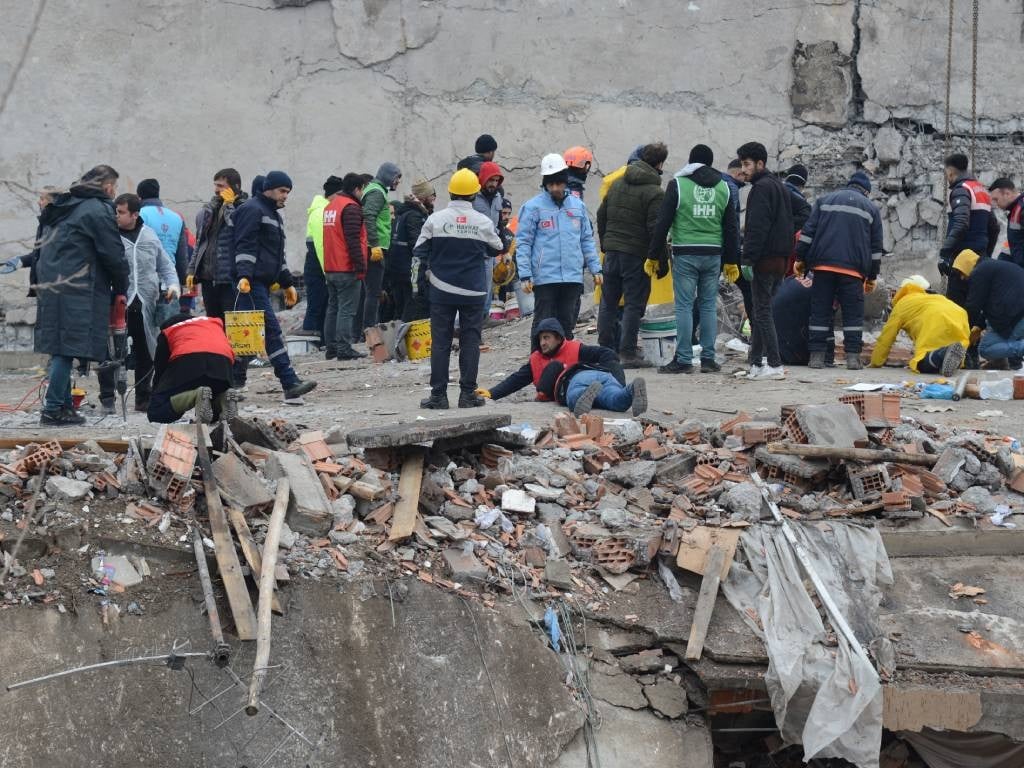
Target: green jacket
x,y
315,226
629,212
377,215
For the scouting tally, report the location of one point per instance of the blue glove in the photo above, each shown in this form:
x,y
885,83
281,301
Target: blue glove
x,y
11,265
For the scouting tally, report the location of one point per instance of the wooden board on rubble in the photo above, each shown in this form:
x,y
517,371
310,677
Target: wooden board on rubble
x,y
403,522
251,551
411,433
695,546
110,446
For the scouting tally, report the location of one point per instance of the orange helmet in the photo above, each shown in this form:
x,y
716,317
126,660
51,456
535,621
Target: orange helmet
x,y
578,157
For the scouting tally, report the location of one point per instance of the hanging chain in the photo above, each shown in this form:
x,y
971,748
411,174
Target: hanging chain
x,y
948,134
974,84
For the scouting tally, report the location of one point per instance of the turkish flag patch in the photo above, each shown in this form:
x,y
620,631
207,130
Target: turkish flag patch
x,y
461,219
546,224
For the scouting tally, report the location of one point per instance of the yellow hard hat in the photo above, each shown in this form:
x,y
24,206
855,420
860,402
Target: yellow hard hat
x,y
463,182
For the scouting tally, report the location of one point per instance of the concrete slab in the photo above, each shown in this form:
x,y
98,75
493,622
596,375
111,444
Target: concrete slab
x,y
309,510
411,433
240,486
833,424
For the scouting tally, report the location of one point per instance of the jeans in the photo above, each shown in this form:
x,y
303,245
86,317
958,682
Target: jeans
x,y
612,397
763,340
371,303
932,362
316,293
259,298
557,300
993,346
849,291
342,302
58,388
695,277
490,288
442,330
624,278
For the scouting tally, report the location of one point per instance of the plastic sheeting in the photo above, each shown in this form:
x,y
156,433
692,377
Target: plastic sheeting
x,y
941,749
825,694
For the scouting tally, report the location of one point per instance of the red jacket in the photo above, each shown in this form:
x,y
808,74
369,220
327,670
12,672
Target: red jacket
x,y
198,334
568,355
345,241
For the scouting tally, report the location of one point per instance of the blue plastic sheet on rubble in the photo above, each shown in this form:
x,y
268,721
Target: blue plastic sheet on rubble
x,y
554,631
938,392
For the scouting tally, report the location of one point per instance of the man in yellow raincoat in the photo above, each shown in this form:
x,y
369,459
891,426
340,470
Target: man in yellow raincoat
x,y
937,326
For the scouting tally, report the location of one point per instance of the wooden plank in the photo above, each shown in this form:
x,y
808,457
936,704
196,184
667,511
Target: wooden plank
x,y
224,547
695,545
251,550
110,446
853,454
404,520
705,603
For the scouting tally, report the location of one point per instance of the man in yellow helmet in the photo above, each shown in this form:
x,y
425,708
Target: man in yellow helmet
x,y
453,248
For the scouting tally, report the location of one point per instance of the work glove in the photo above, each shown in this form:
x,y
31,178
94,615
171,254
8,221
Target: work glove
x,y
651,267
869,286
119,310
174,292
975,335
484,393
190,283
275,287
527,286
11,265
377,254
243,285
291,297
598,279
944,268
799,268
732,273
228,195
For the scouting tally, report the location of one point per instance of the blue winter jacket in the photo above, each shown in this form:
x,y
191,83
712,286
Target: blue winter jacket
x,y
844,230
259,243
554,240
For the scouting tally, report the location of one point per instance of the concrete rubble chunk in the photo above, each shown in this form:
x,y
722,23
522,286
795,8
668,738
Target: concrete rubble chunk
x,y
288,537
667,698
65,489
558,574
241,487
519,502
398,435
633,474
951,460
613,517
675,467
620,690
647,661
543,493
834,424
980,498
446,527
309,510
614,640
743,499
464,566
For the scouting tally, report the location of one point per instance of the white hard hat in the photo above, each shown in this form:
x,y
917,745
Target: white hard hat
x,y
552,163
918,280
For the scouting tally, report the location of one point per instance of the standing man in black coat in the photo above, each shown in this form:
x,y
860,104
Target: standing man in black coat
x,y
81,263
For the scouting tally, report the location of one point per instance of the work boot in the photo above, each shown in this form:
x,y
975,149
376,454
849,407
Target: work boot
x,y
853,362
65,417
330,354
634,358
972,360
232,398
586,401
639,388
709,366
108,407
204,405
817,360
676,367
953,359
435,402
293,395
470,400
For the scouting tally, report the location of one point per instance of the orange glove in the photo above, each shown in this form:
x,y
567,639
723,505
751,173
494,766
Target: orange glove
x,y
799,269
377,254
243,285
228,195
291,297
975,335
527,286
190,283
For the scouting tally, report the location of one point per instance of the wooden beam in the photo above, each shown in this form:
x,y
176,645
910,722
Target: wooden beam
x,y
251,550
403,522
111,446
853,454
224,547
705,603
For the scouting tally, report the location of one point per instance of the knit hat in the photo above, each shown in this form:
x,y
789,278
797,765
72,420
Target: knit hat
x,y
635,154
388,173
548,379
332,186
148,188
919,280
485,143
797,174
423,189
277,179
506,203
257,185
701,153
488,170
860,179
965,262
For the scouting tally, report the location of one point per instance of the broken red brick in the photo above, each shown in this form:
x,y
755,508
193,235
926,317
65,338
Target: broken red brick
x,y
896,501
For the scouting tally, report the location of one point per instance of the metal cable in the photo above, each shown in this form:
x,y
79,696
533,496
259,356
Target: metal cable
x,y
974,82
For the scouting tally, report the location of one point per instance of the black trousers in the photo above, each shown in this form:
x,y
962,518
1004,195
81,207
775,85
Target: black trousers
x,y
557,300
401,296
372,288
442,331
848,290
624,278
217,299
764,342
143,362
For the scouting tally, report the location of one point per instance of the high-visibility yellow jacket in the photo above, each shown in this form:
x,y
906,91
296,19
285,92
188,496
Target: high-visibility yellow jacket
x,y
930,320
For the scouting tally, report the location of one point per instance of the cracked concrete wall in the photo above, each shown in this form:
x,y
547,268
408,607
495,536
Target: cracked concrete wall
x,y
178,88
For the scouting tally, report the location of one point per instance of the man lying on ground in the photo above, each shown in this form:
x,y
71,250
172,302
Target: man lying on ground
x,y
580,376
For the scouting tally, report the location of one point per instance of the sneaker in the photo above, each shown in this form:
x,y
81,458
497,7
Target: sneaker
x,y
709,366
639,387
768,373
634,359
817,360
65,417
435,403
953,359
293,395
204,405
330,354
586,401
351,355
470,400
755,371
853,362
676,367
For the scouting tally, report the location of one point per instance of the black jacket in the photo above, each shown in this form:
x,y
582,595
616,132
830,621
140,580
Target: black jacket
x,y
705,176
81,262
410,216
259,243
967,227
994,292
768,230
627,216
801,208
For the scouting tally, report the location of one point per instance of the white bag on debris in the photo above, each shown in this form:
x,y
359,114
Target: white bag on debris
x,y
827,698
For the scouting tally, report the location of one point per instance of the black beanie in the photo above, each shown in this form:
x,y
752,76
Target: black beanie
x,y
148,188
701,153
548,379
485,143
332,186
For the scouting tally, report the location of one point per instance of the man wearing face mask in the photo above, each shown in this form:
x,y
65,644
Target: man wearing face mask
x,y
554,242
579,160
377,220
212,264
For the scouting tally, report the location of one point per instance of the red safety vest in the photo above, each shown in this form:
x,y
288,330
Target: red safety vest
x,y
568,355
198,334
336,255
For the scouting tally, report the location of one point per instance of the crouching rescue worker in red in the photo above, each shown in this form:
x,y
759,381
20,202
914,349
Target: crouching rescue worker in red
x,y
192,369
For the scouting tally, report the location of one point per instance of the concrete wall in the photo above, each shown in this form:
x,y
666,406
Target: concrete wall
x,y
179,88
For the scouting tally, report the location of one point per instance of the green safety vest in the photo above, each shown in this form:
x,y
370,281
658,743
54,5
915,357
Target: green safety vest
x,y
384,217
699,213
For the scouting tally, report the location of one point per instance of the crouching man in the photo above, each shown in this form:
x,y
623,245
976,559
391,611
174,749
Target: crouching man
x,y
192,369
577,375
